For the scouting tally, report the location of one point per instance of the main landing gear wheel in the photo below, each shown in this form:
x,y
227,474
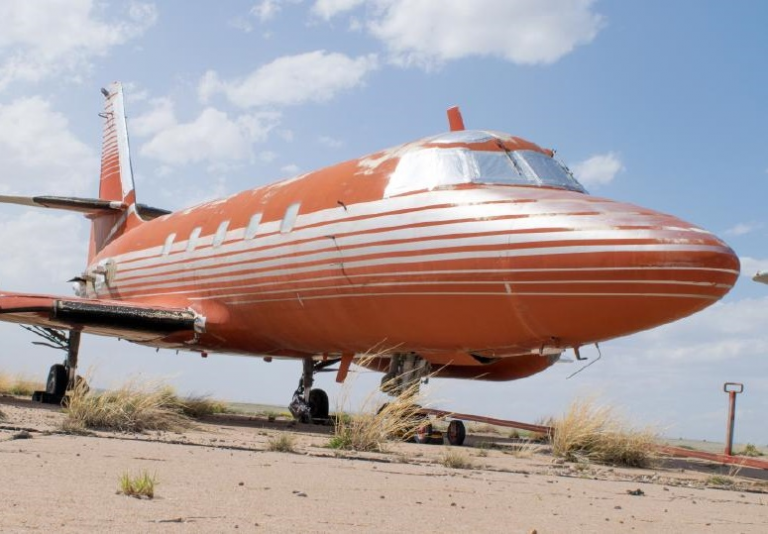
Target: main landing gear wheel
x,y
61,377
457,432
58,378
318,406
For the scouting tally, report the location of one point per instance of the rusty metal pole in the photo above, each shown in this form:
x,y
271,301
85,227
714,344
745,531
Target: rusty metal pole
x,y
732,389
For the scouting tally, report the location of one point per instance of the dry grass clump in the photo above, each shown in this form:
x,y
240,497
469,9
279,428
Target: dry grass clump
x,y
2,415
282,443
199,406
596,433
456,459
141,485
369,430
750,450
19,385
131,408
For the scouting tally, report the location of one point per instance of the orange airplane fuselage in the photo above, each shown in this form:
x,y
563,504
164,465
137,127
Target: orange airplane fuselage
x,y
438,247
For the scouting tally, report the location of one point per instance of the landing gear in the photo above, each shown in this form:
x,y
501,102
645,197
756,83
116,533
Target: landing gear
x,y
310,405
405,374
62,377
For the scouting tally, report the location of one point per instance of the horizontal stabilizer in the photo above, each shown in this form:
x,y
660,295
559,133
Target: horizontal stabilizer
x,y
88,206
134,322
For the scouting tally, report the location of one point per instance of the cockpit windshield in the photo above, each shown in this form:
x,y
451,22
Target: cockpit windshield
x,y
429,168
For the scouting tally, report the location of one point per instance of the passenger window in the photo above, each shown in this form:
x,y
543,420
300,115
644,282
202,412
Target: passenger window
x,y
253,226
221,234
192,243
168,244
289,219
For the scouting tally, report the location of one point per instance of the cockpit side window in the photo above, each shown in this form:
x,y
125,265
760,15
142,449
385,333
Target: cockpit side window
x,y
548,171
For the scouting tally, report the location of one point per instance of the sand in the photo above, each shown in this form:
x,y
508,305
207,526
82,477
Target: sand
x,y
222,478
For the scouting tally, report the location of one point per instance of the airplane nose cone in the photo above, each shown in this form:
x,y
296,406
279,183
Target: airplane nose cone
x,y
621,269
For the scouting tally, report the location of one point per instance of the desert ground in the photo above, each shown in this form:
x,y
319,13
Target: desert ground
x,y
222,477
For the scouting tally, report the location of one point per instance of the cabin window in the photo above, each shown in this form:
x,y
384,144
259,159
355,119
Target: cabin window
x,y
192,243
221,234
289,219
253,226
168,244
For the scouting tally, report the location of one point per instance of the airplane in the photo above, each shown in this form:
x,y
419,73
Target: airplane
x,y
473,254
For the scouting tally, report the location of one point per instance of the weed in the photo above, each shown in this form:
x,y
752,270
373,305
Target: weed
x,y
523,449
371,429
750,450
282,443
18,385
719,480
595,433
130,408
199,406
141,485
456,459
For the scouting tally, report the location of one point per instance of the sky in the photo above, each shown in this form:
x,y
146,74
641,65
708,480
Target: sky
x,y
652,102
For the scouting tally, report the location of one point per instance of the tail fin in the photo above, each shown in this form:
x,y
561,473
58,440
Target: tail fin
x,y
116,183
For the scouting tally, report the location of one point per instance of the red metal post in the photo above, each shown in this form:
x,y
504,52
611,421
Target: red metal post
x,y
732,388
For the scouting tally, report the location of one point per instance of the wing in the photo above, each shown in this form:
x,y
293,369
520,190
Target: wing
x,y
135,322
761,276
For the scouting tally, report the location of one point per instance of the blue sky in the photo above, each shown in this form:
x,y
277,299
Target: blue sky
x,y
657,103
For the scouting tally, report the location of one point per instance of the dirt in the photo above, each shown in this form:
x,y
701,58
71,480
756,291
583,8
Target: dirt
x,y
222,477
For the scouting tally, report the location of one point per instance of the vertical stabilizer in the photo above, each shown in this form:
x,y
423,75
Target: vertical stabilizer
x,y
116,181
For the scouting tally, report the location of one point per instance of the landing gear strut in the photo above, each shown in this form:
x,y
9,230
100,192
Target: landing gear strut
x,y
310,405
62,376
405,374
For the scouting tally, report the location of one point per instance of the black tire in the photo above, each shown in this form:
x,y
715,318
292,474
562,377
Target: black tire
x,y
457,433
423,433
318,405
58,377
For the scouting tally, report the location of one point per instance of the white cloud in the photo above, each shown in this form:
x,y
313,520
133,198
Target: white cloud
x,y
133,93
212,137
267,156
527,32
327,9
312,77
742,229
330,142
600,169
724,331
40,155
48,249
750,266
266,10
44,39
290,169
160,117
